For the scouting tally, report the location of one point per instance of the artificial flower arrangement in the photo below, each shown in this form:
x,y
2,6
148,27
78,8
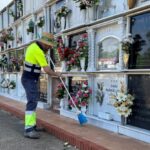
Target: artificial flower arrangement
x,y
11,13
12,85
3,37
127,43
86,3
62,12
41,21
10,34
20,5
122,101
73,56
30,28
82,46
60,91
8,84
4,62
4,83
14,64
100,93
63,52
82,96
73,60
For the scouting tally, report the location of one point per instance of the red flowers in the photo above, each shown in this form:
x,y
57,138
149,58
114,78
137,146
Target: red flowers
x,y
62,50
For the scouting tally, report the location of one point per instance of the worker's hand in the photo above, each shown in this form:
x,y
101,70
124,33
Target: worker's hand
x,y
58,74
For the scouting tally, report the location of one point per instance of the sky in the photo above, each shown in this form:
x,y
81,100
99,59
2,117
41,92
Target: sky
x,y
4,3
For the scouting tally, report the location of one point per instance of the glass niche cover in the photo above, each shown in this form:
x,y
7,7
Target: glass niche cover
x,y
108,54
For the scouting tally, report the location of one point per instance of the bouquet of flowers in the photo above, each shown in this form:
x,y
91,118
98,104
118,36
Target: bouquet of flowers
x,y
4,83
82,46
62,12
73,60
40,23
122,101
4,36
60,91
127,43
30,27
12,85
82,96
63,51
86,3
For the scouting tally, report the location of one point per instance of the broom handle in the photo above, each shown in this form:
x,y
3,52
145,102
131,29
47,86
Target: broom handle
x,y
65,86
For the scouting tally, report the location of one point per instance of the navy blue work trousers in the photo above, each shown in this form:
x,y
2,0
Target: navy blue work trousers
x,y
32,93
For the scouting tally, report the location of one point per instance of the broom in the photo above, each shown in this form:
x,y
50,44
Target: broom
x,y
82,118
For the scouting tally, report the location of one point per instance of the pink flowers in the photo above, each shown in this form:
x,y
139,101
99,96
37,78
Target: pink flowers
x,y
82,96
60,91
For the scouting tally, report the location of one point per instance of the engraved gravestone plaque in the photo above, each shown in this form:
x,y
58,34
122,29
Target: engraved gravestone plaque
x,y
140,86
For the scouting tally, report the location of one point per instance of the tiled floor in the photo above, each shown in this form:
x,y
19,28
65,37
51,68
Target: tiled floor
x,y
84,137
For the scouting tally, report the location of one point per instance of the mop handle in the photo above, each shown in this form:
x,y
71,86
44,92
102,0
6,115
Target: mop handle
x,y
65,87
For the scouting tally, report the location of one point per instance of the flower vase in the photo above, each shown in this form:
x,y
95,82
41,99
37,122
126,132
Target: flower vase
x,y
83,110
21,13
125,60
40,32
123,120
131,3
10,44
83,16
90,14
61,104
73,109
30,36
82,63
5,46
63,66
74,69
62,23
12,92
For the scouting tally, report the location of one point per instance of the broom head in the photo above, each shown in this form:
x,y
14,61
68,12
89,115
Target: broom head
x,y
82,119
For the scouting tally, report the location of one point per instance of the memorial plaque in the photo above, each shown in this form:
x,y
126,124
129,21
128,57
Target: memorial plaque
x,y
140,86
140,53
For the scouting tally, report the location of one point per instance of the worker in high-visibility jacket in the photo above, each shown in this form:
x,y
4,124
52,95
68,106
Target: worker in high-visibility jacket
x,y
34,61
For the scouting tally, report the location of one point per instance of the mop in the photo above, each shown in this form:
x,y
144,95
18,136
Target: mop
x,y
82,118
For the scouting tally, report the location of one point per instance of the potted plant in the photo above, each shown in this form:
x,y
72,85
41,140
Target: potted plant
x,y
122,101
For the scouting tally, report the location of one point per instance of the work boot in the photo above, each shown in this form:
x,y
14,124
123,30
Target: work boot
x,y
32,135
39,129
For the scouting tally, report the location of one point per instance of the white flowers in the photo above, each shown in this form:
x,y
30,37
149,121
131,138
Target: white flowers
x,y
8,84
122,101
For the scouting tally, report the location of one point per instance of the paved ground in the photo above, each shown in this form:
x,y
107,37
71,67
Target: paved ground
x,y
11,136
